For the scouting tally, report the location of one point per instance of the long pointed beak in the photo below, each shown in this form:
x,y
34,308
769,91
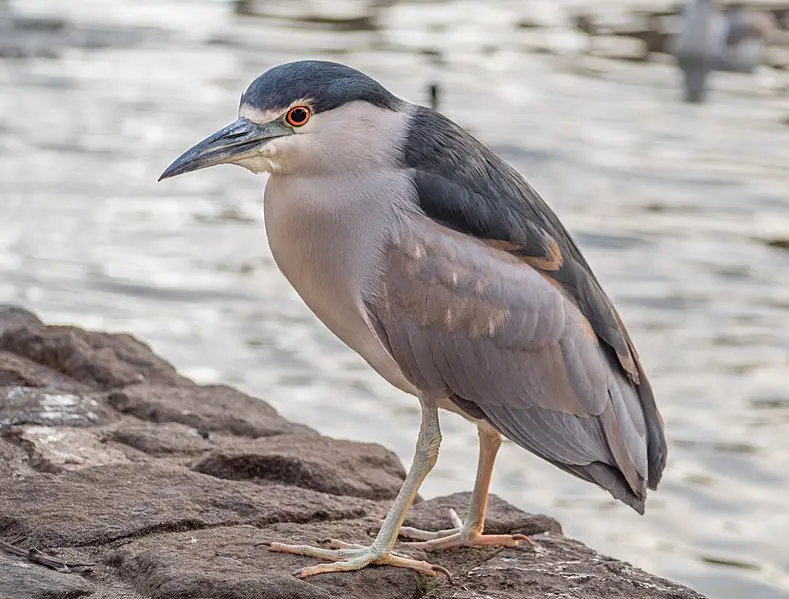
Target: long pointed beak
x,y
236,141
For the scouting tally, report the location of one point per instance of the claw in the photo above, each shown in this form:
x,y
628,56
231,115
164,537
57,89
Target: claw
x,y
520,537
444,571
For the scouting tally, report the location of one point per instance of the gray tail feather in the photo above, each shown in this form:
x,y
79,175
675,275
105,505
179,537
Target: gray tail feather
x,y
657,448
610,479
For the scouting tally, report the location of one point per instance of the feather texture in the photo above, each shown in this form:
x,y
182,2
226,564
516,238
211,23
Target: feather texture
x,y
488,300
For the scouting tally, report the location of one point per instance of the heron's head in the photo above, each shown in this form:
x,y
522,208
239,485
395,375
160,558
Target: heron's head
x,y
303,116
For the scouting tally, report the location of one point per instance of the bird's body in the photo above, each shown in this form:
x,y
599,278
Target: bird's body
x,y
713,40
437,263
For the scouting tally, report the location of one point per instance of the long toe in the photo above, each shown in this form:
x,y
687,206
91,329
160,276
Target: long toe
x,y
460,536
428,535
346,557
309,551
471,540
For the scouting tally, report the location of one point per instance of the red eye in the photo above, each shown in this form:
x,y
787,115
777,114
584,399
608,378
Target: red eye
x,y
298,116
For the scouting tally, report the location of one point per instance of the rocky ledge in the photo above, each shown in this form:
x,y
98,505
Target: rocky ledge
x,y
121,479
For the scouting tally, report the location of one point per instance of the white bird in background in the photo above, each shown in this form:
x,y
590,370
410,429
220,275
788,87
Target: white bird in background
x,y
714,40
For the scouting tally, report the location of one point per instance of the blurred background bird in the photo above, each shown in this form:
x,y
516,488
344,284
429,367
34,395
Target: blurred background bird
x,y
711,39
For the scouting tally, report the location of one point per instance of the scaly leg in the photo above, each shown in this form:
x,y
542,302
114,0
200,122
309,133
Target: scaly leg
x,y
469,534
347,557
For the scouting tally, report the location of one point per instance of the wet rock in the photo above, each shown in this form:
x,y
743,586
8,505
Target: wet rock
x,y
319,463
26,405
21,580
172,489
210,408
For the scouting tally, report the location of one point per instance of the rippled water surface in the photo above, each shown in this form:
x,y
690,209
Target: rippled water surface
x,y
675,207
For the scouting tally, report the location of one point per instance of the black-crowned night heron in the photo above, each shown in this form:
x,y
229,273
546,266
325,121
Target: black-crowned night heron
x,y
712,40
437,262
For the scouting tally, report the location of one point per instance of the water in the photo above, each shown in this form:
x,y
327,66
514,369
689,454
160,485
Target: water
x,y
675,207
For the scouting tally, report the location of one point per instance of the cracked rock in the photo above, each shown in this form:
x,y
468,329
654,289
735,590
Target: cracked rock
x,y
319,463
233,562
95,506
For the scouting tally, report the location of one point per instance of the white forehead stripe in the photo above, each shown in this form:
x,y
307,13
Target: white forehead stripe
x,y
256,115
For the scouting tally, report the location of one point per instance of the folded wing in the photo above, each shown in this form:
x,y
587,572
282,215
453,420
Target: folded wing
x,y
466,318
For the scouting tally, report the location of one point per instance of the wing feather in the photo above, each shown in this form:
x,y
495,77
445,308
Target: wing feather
x,y
467,320
462,185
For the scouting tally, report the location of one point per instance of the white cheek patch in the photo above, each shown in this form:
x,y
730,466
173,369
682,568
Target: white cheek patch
x,y
272,152
267,158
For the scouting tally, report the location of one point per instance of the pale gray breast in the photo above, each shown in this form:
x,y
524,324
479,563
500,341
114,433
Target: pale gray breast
x,y
327,236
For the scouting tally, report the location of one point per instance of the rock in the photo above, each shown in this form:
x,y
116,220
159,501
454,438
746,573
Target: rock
x,y
560,567
233,562
95,506
319,463
27,405
16,371
21,580
107,455
12,316
99,360
210,408
54,449
164,440
13,462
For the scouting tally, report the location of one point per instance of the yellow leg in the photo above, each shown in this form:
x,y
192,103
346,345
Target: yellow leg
x,y
469,534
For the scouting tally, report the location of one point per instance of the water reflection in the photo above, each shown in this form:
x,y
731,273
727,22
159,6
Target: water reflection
x,y
683,213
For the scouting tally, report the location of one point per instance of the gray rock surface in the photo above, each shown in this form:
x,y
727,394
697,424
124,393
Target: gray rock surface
x,y
109,456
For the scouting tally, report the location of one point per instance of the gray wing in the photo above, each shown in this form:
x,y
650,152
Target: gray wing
x,y
466,319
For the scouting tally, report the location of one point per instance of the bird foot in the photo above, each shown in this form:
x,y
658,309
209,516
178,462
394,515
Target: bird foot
x,y
459,536
346,557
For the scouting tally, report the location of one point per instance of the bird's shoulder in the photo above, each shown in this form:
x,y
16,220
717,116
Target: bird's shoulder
x,y
463,185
